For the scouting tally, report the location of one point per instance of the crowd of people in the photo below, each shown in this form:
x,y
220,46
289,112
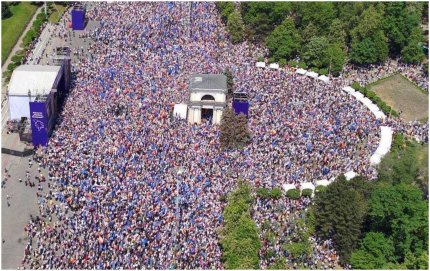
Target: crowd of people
x,y
133,187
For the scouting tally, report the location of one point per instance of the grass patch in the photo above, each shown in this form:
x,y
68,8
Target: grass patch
x,y
402,95
13,27
56,13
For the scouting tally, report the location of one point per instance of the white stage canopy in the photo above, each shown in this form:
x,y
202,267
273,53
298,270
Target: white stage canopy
x,y
274,66
350,174
307,186
324,78
301,71
180,111
313,75
322,182
288,187
384,145
348,89
260,65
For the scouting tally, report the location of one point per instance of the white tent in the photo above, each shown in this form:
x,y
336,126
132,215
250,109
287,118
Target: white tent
x,y
274,66
301,71
384,145
26,83
324,78
322,182
313,75
307,186
180,111
350,174
379,115
358,95
260,65
288,187
348,89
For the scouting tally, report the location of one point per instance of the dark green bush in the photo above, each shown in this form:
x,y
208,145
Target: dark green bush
x,y
12,66
263,192
323,71
356,86
302,65
293,63
293,193
272,60
260,59
307,192
276,193
17,58
282,63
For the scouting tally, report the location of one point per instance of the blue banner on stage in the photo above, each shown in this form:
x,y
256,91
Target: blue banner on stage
x,y
241,107
78,19
39,124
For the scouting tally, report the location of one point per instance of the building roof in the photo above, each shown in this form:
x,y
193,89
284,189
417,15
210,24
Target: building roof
x,y
38,79
208,82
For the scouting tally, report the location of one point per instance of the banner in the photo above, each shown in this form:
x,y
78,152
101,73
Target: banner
x,y
38,123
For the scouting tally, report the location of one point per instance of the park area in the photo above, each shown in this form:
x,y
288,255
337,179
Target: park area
x,y
57,11
403,96
13,26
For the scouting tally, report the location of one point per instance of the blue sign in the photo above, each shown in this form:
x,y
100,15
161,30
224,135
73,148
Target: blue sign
x,y
39,125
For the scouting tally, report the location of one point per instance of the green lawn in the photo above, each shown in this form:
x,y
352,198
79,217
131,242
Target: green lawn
x,y
57,11
13,26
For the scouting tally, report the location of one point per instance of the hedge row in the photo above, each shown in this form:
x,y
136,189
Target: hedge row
x,y
375,99
266,193
240,242
296,193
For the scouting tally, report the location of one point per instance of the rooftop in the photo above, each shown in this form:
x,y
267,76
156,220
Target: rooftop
x,y
38,79
208,82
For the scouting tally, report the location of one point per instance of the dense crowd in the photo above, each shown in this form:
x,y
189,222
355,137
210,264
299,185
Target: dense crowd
x,y
134,188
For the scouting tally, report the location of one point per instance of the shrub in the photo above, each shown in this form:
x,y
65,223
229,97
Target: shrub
x,y
293,63
314,69
12,66
263,192
260,59
302,65
293,193
371,95
356,86
323,71
282,62
307,192
272,60
17,58
276,193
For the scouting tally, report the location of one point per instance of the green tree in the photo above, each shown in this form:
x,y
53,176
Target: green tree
x,y
235,27
315,51
337,34
400,212
340,213
225,8
227,133
335,58
370,22
284,41
413,52
364,52
318,13
375,252
309,32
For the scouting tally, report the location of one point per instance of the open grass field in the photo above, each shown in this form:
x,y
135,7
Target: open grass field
x,y
13,26
57,11
403,96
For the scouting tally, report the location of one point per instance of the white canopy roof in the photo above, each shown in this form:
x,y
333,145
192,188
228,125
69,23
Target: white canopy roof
x,y
301,71
180,111
384,145
38,79
274,66
357,95
350,174
314,75
324,78
288,186
348,89
260,65
307,186
323,182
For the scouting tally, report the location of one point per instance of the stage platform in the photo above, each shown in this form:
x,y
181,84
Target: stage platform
x,y
11,144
